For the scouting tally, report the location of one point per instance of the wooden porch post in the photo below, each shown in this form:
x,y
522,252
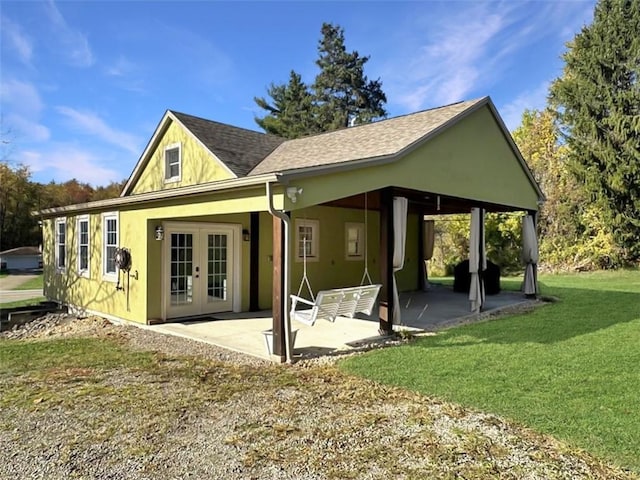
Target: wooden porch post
x,y
254,262
278,301
386,261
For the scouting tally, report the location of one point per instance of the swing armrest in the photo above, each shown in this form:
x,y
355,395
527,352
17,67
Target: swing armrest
x,y
295,299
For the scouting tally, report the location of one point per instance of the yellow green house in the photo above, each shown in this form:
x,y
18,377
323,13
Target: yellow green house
x,y
217,218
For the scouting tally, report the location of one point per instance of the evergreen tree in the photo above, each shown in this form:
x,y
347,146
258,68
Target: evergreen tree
x,y
598,106
343,92
292,112
340,94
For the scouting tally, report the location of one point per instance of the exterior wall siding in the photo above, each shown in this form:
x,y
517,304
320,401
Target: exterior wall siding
x,y
197,164
470,160
137,232
97,293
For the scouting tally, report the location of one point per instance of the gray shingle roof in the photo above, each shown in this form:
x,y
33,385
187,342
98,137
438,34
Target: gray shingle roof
x,y
21,251
240,149
379,139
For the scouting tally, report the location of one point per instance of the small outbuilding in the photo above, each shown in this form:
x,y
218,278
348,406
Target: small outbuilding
x,y
216,218
21,258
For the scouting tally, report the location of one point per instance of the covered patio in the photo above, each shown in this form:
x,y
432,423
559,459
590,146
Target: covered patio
x,y
422,313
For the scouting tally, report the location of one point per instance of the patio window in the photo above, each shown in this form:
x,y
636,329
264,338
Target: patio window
x,y
354,241
172,163
83,246
110,244
61,243
307,235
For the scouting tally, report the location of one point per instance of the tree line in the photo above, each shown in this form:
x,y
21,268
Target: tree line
x,y
20,197
583,149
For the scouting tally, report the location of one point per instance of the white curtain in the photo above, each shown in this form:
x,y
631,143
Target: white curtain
x,y
476,253
529,254
400,205
429,240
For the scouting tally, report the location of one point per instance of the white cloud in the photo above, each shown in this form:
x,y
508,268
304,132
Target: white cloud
x,y
126,75
21,96
471,49
14,36
64,162
73,44
535,99
27,130
449,62
22,108
121,67
92,124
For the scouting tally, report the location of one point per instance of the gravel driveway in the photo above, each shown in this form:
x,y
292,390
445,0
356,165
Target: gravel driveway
x,y
202,412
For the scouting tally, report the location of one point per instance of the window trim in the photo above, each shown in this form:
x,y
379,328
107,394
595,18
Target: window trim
x,y
178,177
315,239
87,271
60,221
361,239
109,276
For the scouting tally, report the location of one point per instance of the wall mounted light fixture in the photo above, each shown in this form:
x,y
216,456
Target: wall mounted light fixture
x,y
246,236
293,192
159,232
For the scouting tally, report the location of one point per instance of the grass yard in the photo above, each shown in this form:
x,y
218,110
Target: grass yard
x,y
22,303
570,368
32,284
124,402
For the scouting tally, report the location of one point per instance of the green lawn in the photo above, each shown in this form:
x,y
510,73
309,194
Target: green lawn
x,y
33,284
22,303
570,369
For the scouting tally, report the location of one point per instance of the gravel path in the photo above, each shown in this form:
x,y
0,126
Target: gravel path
x,y
202,412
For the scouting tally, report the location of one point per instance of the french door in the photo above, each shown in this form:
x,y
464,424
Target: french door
x,y
199,270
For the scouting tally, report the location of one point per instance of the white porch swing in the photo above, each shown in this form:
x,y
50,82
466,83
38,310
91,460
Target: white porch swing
x,y
338,302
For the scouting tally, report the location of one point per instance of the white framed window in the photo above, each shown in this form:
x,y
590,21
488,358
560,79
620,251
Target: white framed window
x,y
307,239
354,241
61,243
172,163
109,245
84,252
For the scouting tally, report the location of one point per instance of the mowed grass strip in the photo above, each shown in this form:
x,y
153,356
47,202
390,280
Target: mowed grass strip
x,y
570,369
36,283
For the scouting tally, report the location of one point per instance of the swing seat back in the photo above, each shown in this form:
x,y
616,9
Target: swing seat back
x,y
368,294
339,302
326,306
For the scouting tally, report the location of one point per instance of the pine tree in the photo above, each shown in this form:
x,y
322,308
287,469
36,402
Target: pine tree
x,y
292,112
341,93
598,106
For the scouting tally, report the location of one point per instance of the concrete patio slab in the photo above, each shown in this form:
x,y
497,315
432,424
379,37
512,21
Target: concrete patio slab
x,y
429,311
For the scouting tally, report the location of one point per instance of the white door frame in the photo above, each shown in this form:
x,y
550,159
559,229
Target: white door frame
x,y
235,264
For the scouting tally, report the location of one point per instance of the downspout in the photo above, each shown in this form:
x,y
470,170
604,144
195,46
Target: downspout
x,y
285,295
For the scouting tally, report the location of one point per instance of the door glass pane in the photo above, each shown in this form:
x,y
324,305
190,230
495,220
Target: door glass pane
x,y
217,267
181,284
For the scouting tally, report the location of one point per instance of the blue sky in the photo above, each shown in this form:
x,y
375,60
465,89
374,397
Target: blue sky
x,y
84,84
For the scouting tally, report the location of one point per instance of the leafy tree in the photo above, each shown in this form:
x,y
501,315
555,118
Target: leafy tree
x,y
571,236
598,105
17,200
341,93
292,112
108,191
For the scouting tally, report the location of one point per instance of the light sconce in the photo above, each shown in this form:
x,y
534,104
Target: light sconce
x,y
159,233
293,192
246,236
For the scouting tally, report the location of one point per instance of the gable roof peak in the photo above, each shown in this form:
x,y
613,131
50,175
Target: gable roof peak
x,y
240,149
381,139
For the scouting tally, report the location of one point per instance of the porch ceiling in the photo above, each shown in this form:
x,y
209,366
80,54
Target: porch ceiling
x,y
430,203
